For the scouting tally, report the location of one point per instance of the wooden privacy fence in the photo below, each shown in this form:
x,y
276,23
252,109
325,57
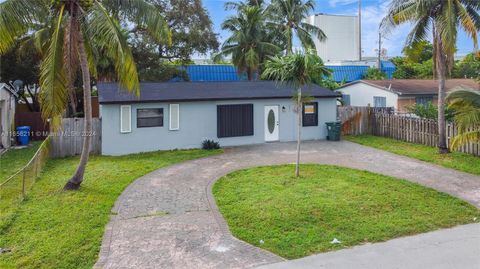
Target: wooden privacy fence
x,y
408,129
69,140
38,127
384,122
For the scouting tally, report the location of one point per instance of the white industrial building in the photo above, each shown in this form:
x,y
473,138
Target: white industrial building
x,y
343,37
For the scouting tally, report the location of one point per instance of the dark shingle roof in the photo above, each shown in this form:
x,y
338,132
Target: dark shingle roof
x,y
204,91
421,86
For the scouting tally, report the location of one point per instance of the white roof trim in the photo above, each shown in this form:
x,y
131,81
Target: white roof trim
x,y
8,89
389,89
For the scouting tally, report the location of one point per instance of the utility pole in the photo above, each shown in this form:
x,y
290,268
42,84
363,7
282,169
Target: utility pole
x,y
379,64
359,30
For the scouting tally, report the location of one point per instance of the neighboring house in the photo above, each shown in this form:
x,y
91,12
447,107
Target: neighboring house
x,y
397,93
181,115
8,100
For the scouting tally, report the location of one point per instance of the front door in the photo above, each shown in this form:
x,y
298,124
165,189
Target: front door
x,y
272,123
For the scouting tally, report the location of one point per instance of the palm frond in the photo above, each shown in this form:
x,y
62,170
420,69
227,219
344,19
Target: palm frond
x,y
16,18
106,33
146,16
53,80
465,138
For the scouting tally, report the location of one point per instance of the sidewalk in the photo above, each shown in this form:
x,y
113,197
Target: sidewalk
x,y
458,247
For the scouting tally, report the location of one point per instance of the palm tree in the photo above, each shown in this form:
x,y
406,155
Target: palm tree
x,y
248,44
466,104
442,17
289,17
299,71
78,29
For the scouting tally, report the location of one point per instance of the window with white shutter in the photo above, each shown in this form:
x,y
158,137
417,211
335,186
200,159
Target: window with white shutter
x,y
174,116
125,119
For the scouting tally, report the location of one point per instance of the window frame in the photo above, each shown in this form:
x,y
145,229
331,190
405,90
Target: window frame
x,y
151,108
170,117
122,129
304,115
383,98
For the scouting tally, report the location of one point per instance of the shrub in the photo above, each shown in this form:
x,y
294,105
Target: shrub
x,y
375,74
210,144
428,111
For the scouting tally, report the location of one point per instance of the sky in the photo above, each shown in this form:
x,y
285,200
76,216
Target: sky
x,y
372,13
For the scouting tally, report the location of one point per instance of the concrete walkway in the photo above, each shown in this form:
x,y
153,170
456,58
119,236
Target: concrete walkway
x,y
168,218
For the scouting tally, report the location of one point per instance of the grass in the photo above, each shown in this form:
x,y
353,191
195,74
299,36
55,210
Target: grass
x,y
14,159
58,229
296,217
455,160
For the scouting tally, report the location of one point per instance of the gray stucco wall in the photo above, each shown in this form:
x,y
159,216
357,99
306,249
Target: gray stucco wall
x,y
198,121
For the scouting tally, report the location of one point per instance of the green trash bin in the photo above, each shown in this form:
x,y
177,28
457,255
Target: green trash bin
x,y
334,128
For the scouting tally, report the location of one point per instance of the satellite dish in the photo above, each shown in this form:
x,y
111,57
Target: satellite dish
x,y
18,84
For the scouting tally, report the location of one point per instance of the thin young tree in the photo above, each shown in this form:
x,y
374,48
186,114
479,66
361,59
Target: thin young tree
x,y
78,29
299,70
289,16
440,19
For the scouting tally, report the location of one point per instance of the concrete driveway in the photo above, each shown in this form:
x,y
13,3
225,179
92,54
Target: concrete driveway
x,y
168,218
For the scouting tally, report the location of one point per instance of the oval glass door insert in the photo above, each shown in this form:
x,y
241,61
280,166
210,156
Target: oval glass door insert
x,y
271,121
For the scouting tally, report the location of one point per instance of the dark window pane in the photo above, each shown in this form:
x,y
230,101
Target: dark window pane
x,y
150,117
346,99
149,113
423,100
234,120
310,114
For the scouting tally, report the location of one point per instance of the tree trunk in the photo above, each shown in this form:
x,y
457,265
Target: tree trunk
x,y
289,40
76,180
434,54
73,100
249,74
299,128
441,72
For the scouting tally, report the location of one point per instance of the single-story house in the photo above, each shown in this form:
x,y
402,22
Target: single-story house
x,y
180,115
397,93
8,100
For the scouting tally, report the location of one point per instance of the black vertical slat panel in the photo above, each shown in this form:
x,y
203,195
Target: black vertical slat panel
x,y
234,120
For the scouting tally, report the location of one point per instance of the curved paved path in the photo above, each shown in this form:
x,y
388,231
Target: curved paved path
x,y
168,218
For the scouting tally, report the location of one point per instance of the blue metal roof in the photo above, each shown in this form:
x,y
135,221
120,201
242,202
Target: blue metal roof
x,y
388,67
345,73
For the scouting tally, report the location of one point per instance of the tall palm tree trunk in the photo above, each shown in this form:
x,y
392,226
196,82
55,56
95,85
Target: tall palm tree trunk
x,y
299,129
76,180
434,53
289,40
441,72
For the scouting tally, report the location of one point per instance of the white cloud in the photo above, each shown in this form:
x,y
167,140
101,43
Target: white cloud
x,y
372,16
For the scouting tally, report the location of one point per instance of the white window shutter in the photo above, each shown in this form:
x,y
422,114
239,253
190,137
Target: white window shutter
x,y
174,116
125,119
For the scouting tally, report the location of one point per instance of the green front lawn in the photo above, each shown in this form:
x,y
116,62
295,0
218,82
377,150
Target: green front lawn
x,y
14,159
455,160
295,217
58,229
